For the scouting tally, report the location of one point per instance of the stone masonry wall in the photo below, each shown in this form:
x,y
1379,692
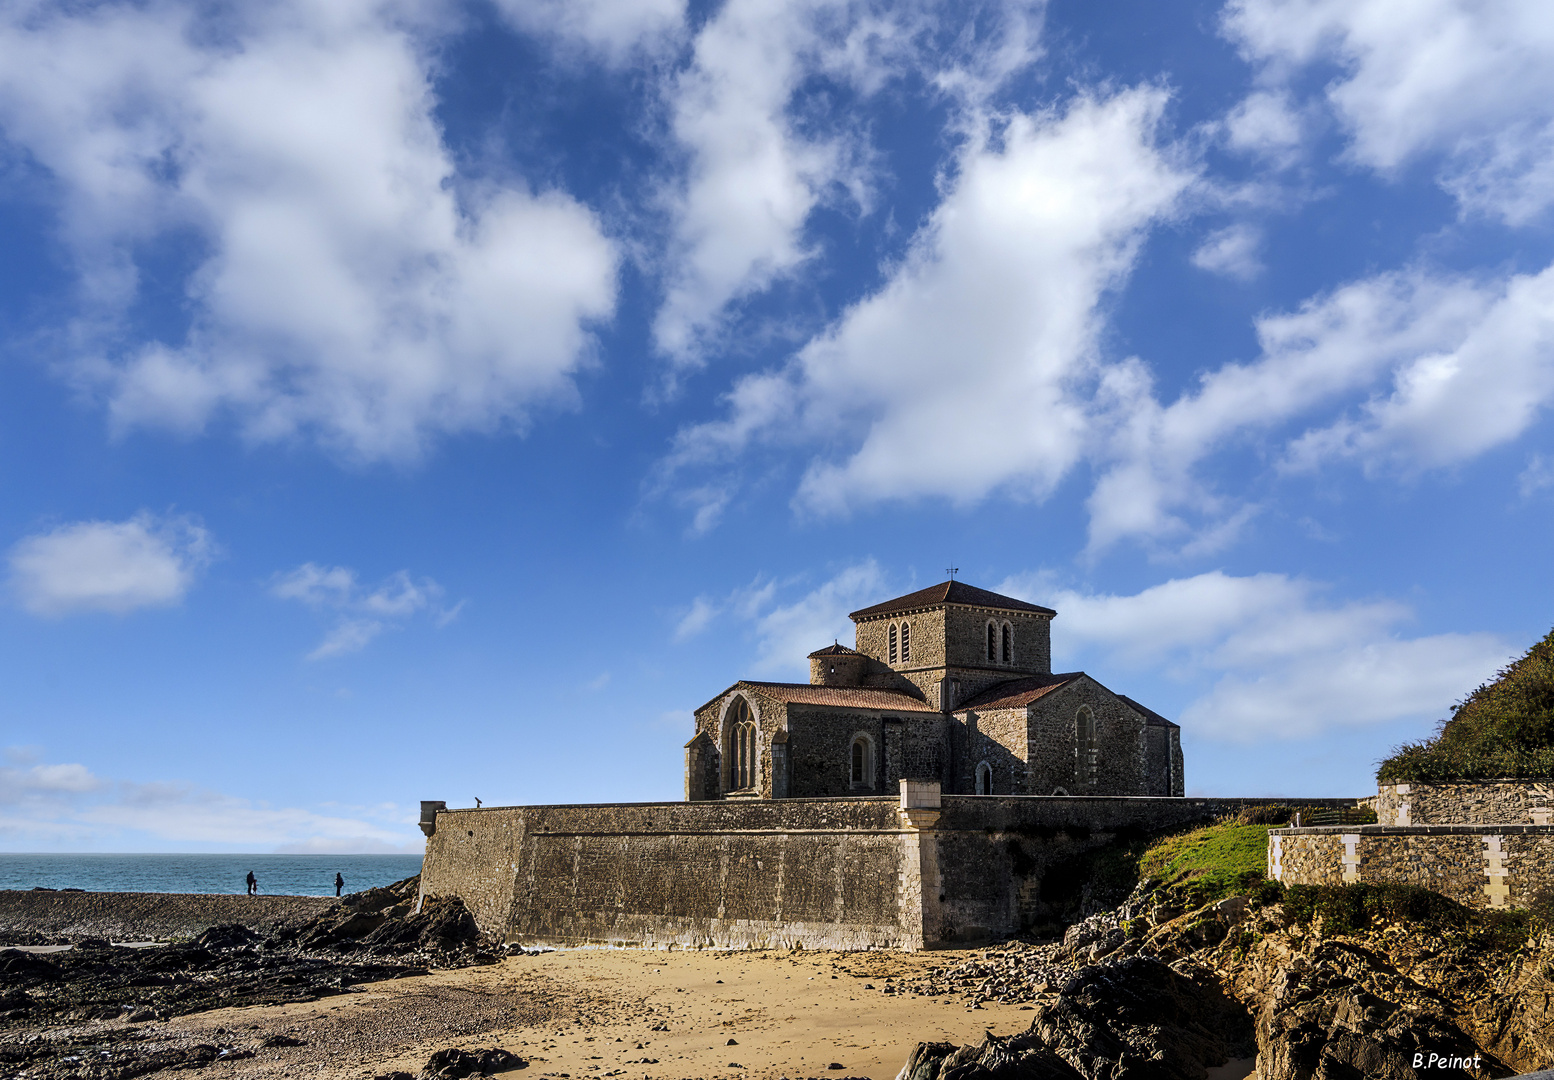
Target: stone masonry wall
x,y
953,641
998,738
1470,802
1013,864
872,638
905,744
1498,866
822,873
1057,761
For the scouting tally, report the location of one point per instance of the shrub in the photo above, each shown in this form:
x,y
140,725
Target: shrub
x,y
1505,728
1263,815
1348,909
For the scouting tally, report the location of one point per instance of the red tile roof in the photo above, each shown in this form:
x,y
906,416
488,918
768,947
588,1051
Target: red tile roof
x,y
1017,693
950,592
846,697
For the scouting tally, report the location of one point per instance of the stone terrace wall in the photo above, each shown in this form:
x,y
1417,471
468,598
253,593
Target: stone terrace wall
x,y
822,873
1469,802
1480,866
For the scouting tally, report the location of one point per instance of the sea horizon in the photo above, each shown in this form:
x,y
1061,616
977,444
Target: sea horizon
x,y
217,873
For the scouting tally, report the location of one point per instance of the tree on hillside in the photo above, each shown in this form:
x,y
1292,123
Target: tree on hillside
x,y
1504,728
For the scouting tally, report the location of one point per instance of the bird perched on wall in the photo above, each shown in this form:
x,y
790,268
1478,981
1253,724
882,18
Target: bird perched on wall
x,y
477,802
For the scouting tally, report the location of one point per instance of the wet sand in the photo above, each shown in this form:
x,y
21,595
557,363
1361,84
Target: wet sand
x,y
617,1013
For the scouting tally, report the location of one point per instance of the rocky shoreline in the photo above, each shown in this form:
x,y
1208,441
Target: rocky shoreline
x,y
1312,985
59,917
288,950
1381,982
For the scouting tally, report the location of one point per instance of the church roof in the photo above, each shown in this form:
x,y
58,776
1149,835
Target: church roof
x,y
1017,693
846,697
834,650
1151,717
950,592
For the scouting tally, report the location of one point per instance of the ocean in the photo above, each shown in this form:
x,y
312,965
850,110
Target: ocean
x,y
293,875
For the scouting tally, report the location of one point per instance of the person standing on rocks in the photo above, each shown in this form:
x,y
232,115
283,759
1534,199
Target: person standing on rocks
x,y
253,883
339,883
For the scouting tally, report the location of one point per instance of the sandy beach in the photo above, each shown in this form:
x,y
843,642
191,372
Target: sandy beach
x,y
628,1013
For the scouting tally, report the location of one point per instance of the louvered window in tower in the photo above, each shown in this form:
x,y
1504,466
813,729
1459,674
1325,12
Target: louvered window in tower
x,y
906,641
1008,644
892,643
992,642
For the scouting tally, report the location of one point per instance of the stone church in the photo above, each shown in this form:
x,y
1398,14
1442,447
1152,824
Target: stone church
x,y
951,683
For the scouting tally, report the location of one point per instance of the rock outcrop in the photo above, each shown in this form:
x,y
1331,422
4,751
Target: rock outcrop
x,y
1155,989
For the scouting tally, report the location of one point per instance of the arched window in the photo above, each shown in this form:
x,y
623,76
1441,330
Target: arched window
x,y
742,750
861,772
906,641
1089,748
1008,644
992,643
892,643
984,779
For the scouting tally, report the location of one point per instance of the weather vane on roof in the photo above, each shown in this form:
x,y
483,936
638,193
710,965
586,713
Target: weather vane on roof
x,y
952,571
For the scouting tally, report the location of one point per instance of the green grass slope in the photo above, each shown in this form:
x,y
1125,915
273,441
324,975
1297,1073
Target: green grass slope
x,y
1206,864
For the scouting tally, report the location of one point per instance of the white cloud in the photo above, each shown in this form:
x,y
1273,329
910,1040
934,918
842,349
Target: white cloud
x,y
67,804
697,619
756,165
1231,251
788,633
617,30
1537,477
1472,83
354,287
1269,656
1267,125
360,614
968,370
1474,391
45,781
113,566
1470,366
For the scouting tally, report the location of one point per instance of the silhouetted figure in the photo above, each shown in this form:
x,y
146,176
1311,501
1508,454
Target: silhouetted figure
x,y
339,884
477,802
253,883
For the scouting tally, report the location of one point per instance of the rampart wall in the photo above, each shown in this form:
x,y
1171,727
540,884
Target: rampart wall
x,y
909,873
1480,865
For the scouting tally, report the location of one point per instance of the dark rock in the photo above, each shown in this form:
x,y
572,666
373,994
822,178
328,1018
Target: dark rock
x,y
444,924
453,1064
1014,1058
1138,1017
272,1041
732,1042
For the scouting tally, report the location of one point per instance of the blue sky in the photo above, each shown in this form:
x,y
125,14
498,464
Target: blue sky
x,y
410,400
